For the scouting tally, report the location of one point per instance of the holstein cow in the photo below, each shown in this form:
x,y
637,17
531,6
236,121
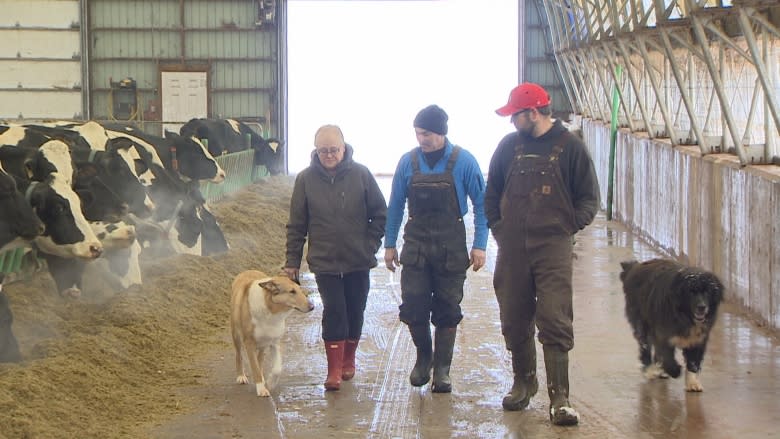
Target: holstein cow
x,y
18,223
184,155
119,262
181,222
115,165
229,135
21,136
9,348
45,175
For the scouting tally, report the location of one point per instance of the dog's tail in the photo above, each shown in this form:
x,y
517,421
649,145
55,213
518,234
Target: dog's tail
x,y
627,266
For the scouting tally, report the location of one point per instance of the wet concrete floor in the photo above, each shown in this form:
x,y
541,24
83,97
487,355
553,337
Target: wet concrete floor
x,y
741,373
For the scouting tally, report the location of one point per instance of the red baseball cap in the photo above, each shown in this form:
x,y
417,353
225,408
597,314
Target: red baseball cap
x,y
524,96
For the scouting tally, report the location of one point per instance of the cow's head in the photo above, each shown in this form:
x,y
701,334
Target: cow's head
x,y
193,159
269,153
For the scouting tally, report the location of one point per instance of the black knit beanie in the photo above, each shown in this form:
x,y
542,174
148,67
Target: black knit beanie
x,y
433,119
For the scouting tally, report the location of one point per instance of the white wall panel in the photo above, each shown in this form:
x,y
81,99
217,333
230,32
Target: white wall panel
x,y
28,43
39,74
40,59
39,105
61,14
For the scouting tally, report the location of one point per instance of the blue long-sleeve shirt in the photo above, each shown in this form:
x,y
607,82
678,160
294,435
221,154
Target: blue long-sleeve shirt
x,y
469,182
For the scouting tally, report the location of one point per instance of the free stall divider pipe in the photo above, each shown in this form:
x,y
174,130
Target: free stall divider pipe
x,y
613,140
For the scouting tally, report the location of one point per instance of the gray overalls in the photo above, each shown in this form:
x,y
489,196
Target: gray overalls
x,y
533,277
434,256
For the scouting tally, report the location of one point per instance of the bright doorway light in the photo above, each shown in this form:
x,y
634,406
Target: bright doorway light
x,y
370,66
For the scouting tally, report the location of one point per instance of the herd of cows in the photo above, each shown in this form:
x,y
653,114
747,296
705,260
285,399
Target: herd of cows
x,y
83,193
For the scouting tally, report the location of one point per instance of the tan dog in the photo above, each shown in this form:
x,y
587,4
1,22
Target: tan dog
x,y
259,306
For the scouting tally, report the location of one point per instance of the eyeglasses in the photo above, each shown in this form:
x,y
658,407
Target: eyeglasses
x,y
522,111
333,150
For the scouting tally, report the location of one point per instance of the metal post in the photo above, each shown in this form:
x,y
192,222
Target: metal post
x,y
613,142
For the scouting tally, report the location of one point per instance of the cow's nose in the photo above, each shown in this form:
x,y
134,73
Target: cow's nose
x,y
220,177
95,250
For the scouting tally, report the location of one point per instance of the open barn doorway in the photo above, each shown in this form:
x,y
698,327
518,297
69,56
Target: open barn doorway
x,y
370,65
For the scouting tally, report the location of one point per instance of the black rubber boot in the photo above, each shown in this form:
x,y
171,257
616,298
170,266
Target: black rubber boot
x,y
421,336
442,358
525,384
556,363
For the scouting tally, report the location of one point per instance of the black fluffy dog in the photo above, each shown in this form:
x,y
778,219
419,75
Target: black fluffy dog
x,y
670,306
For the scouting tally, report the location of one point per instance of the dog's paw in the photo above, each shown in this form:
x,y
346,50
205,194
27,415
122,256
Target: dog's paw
x,y
262,390
242,379
654,371
692,383
673,371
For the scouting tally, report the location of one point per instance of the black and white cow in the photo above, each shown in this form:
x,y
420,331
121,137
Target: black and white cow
x,y
45,175
184,155
229,135
181,220
21,136
89,144
9,348
119,262
18,223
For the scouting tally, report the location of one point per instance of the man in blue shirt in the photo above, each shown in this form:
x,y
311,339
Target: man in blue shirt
x,y
436,178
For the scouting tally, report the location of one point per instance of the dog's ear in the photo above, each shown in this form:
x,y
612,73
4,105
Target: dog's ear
x,y
626,265
269,284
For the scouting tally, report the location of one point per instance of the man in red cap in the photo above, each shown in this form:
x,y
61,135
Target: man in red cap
x,y
542,188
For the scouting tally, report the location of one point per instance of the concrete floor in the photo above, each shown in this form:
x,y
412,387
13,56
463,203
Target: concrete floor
x,y
741,373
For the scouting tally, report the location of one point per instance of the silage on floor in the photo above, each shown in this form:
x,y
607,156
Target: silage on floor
x,y
109,364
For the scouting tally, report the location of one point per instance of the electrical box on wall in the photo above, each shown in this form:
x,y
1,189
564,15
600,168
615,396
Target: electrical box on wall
x,y
124,99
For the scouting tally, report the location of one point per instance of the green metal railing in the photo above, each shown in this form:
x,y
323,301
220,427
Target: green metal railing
x,y
11,263
239,170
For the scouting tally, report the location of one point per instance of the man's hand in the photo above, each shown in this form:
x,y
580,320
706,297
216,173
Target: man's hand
x,y
391,259
477,259
292,273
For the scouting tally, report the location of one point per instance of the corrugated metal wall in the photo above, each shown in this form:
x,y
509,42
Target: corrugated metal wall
x,y
141,38
40,59
537,62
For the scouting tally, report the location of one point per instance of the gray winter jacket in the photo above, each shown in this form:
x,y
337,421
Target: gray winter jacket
x,y
342,216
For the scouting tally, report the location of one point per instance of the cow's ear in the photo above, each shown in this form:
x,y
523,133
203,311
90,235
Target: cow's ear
x,y
29,168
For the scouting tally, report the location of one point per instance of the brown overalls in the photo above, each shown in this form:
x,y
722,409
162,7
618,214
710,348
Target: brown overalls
x,y
533,277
